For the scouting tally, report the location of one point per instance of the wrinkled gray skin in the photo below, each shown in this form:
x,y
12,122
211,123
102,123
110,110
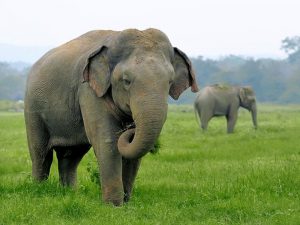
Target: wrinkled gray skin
x,y
218,100
108,90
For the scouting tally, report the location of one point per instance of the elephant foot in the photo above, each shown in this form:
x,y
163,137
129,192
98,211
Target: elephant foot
x,y
114,202
126,197
67,181
39,178
113,195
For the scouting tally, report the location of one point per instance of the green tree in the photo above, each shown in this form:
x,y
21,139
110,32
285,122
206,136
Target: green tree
x,y
291,45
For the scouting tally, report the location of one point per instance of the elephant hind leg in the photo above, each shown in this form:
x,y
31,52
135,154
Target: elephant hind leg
x,y
68,160
204,125
130,168
205,118
40,152
41,165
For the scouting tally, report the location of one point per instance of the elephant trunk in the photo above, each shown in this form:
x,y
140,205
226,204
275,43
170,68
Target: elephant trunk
x,y
254,115
149,117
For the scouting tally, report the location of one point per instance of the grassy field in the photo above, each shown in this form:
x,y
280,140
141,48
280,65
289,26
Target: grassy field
x,y
249,177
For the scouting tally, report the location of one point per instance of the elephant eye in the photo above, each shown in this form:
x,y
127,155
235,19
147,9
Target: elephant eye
x,y
126,82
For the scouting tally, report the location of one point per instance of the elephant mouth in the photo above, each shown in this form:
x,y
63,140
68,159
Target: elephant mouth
x,y
131,135
128,134
129,128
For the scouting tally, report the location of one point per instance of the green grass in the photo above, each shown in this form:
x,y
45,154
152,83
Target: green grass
x,y
248,177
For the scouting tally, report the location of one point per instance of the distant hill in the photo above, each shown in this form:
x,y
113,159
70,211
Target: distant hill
x,y
20,66
28,54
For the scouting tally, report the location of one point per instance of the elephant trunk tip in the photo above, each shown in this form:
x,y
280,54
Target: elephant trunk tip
x,y
124,145
131,146
126,137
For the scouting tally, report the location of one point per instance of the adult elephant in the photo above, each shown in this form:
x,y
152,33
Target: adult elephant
x,y
108,90
222,100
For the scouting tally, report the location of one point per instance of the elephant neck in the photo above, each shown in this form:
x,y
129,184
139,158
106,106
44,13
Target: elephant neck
x,y
115,111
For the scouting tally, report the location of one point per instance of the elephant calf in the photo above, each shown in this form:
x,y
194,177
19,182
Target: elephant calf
x,y
105,89
220,100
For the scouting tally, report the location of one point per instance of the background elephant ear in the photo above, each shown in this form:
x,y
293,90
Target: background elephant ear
x,y
97,72
242,94
184,75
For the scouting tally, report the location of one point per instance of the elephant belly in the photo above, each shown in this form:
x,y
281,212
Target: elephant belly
x,y
65,130
68,139
220,109
218,113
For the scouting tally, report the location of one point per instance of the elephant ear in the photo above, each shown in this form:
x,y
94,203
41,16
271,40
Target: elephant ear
x,y
184,75
97,72
242,94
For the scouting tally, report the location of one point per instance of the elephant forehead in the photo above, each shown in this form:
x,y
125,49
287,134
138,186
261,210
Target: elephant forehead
x,y
144,64
129,40
148,37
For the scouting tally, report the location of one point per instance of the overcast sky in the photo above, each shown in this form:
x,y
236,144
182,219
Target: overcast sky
x,y
198,27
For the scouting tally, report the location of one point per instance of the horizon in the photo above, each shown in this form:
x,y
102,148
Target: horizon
x,y
29,54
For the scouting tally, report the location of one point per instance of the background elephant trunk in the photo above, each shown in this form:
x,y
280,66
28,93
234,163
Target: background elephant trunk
x,y
135,143
254,115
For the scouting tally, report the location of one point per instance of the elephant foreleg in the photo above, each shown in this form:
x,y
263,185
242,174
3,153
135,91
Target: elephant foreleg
x,y
104,142
111,175
231,121
103,131
129,172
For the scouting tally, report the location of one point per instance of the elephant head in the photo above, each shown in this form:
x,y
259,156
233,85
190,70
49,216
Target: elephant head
x,y
139,69
248,101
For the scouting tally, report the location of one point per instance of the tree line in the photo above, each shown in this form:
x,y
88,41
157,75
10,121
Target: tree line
x,y
12,81
274,80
